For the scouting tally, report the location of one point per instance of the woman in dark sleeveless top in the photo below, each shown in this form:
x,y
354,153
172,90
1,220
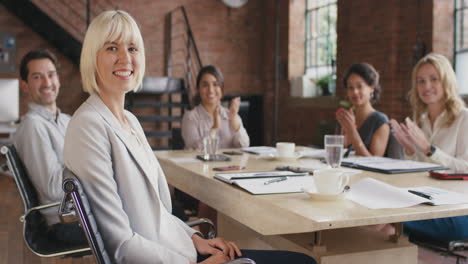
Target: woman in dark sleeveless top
x,y
365,129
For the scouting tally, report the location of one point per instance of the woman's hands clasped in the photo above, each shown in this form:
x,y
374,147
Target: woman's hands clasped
x,y
347,121
410,136
220,250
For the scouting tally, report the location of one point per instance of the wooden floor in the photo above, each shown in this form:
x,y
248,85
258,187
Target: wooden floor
x,y
14,250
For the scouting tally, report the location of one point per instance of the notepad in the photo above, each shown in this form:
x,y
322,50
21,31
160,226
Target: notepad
x,y
260,150
389,165
375,194
264,182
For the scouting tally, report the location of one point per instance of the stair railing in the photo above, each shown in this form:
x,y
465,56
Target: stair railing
x,y
182,57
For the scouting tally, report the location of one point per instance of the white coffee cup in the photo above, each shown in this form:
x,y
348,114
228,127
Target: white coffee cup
x,y
285,149
330,180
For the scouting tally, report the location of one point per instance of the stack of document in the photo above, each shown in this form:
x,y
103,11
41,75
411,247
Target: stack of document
x,y
375,194
268,182
260,150
388,165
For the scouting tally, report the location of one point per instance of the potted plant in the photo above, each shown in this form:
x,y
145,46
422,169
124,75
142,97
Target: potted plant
x,y
323,83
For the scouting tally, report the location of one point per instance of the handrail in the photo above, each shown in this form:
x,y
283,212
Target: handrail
x,y
192,62
191,37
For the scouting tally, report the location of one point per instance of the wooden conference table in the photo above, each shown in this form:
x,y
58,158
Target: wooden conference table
x,y
330,231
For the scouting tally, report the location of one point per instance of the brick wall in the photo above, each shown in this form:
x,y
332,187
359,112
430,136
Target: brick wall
x,y
70,96
229,38
383,33
242,43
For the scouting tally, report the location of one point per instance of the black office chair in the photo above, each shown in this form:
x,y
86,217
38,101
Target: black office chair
x,y
75,200
34,224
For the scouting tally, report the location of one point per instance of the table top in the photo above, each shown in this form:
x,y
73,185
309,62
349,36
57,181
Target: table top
x,y
276,214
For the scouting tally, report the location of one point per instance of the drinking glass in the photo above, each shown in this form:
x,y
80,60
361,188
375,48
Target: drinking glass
x,y
210,146
334,150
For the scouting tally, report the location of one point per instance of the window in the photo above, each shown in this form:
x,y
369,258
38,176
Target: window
x,y
320,46
461,44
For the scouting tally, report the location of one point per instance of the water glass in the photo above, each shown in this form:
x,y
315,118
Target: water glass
x,y
210,146
334,150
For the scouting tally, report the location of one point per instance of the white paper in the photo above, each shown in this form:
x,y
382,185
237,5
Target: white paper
x,y
440,196
260,150
184,160
375,194
313,153
290,185
317,153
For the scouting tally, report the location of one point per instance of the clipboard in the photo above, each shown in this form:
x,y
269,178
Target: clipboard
x,y
268,182
389,165
231,177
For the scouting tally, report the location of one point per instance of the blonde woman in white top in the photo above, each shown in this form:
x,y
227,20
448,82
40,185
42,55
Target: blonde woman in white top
x,y
438,135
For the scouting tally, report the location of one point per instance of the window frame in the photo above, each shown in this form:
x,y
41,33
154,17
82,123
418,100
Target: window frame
x,y
461,6
315,69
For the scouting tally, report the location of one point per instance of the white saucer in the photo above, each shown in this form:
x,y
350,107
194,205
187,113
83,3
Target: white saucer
x,y
274,157
325,197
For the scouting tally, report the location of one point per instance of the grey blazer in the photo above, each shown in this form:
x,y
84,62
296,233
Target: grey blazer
x,y
126,187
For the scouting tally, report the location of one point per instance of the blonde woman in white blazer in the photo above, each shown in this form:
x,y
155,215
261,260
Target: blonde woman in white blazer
x,y
106,148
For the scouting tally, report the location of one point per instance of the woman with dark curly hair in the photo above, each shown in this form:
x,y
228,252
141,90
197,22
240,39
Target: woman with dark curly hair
x,y
210,118
366,130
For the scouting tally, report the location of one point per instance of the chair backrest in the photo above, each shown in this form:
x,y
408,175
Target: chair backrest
x,y
177,142
26,189
161,85
74,191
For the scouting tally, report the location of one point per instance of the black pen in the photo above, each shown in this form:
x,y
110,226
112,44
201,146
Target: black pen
x,y
350,147
423,195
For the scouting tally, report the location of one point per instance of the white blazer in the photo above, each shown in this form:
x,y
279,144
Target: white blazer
x,y
126,188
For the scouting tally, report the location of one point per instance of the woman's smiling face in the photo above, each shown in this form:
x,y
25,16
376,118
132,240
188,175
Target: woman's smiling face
x,y
117,65
429,85
210,90
358,91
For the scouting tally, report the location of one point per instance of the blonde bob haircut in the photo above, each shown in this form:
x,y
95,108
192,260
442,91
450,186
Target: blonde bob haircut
x,y
453,104
109,26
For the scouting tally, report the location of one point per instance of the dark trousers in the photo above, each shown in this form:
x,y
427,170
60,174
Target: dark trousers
x,y
69,234
438,230
272,257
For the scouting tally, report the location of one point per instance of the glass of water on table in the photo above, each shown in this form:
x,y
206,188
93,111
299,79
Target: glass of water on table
x,y
334,150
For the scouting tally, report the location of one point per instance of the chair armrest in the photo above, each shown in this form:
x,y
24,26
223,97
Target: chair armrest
x,y
458,245
241,261
204,221
38,208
